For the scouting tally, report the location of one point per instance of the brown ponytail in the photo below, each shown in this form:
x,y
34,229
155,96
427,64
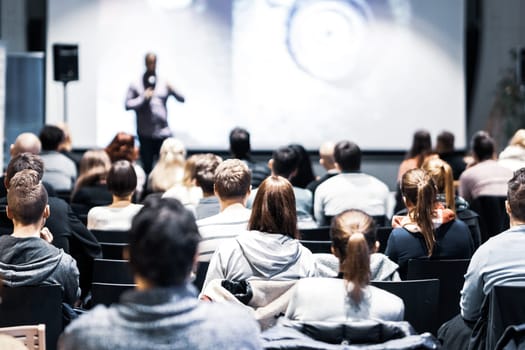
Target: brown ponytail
x,y
419,190
356,266
441,173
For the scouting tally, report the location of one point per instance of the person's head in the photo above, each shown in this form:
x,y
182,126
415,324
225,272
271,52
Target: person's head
x,y
66,144
483,146
518,139
122,179
445,142
347,156
94,159
284,162
51,137
205,166
347,223
27,199
163,242
516,197
150,61
21,162
421,145
172,151
304,174
326,155
26,142
273,209
189,170
419,193
240,143
122,147
443,178
232,180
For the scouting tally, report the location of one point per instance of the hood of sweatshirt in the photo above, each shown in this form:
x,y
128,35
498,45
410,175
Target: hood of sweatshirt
x,y
269,253
442,215
27,261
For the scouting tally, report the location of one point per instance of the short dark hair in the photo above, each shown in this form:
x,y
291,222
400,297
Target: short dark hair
x,y
51,137
205,166
516,194
445,142
285,161
27,197
240,143
24,161
482,145
348,155
163,240
122,179
232,179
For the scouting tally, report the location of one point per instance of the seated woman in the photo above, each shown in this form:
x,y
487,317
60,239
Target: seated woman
x,y
429,229
269,250
122,182
343,227
332,299
169,170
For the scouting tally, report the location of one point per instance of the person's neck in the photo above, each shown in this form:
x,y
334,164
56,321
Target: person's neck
x,y
120,202
24,231
514,222
225,203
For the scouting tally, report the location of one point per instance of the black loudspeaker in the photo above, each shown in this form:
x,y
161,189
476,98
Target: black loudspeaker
x,y
65,62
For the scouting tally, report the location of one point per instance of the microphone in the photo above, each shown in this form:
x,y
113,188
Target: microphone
x,y
152,80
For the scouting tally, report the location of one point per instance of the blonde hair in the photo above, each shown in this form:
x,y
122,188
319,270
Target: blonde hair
x,y
169,170
443,178
518,139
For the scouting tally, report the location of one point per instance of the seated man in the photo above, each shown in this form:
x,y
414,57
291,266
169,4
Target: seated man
x,y
232,186
26,256
499,261
351,189
204,171
163,310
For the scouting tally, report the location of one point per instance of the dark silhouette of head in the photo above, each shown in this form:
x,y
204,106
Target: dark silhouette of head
x,y
51,137
348,156
483,146
240,143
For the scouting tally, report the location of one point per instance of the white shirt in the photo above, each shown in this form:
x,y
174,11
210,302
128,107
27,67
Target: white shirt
x,y
107,218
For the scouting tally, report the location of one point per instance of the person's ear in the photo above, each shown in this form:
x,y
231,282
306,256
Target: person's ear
x,y
337,166
8,213
334,252
270,165
376,247
47,212
507,208
215,191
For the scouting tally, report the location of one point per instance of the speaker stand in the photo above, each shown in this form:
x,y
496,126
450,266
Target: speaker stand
x,y
65,101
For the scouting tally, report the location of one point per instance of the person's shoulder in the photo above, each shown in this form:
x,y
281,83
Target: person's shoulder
x,y
229,316
95,323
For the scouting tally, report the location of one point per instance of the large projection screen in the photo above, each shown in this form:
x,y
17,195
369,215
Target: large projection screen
x,y
300,71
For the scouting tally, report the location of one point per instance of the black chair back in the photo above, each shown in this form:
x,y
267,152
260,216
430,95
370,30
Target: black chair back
x,y
112,271
493,218
33,305
421,301
383,232
108,293
451,275
200,275
113,251
111,236
315,234
506,308
318,246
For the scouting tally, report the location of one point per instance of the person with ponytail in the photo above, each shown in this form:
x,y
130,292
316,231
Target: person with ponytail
x,y
351,297
429,230
442,174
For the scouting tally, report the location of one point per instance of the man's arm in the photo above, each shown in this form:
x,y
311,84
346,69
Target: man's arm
x,y
472,294
134,99
178,96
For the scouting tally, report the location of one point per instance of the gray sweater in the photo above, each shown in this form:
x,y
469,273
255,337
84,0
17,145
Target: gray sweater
x,y
163,318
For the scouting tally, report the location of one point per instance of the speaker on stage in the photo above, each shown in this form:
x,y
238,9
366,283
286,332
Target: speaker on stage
x,y
65,62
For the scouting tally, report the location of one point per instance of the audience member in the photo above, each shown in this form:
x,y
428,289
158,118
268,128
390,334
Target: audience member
x,y
429,229
189,194
486,177
445,151
441,174
513,156
66,146
122,147
163,311
499,261
345,225
349,298
240,148
121,182
327,161
351,189
421,148
285,162
305,173
204,171
169,170
59,170
91,189
232,186
270,250
26,256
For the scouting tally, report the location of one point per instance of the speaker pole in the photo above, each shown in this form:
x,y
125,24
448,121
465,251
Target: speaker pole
x,y
65,101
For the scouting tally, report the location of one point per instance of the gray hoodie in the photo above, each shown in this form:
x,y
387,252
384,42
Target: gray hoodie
x,y
32,261
381,267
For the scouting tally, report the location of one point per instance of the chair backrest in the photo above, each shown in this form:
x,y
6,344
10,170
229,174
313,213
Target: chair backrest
x,y
200,275
111,236
112,271
451,275
506,308
113,251
33,337
315,234
383,232
318,246
108,293
493,217
33,305
421,301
